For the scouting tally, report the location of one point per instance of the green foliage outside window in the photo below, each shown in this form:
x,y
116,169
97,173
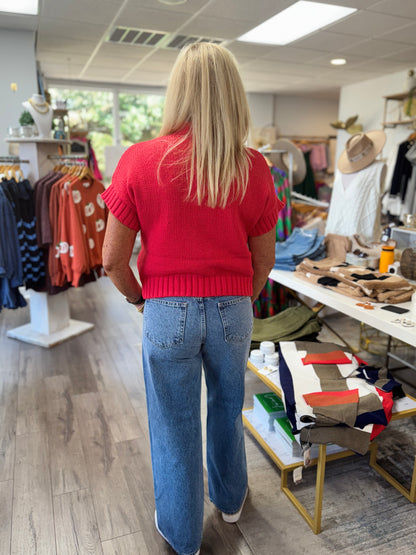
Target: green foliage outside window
x,y
92,111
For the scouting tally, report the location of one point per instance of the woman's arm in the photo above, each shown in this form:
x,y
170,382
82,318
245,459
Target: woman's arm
x,y
117,250
262,249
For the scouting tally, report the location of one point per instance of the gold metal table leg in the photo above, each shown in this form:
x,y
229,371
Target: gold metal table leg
x,y
410,494
315,520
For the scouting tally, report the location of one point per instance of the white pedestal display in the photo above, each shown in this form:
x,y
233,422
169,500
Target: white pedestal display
x,y
50,321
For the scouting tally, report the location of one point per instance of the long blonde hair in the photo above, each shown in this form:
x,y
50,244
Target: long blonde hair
x,y
206,93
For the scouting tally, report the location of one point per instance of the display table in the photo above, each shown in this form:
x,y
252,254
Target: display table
x,y
282,457
377,318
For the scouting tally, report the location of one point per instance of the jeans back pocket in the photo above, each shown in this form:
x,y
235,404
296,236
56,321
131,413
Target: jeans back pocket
x,y
164,324
237,318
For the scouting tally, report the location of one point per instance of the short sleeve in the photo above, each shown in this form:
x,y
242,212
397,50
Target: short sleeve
x,y
119,197
270,205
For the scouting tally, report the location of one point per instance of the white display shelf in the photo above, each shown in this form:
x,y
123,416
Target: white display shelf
x,y
37,140
281,449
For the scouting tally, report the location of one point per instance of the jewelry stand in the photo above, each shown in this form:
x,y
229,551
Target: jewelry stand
x,y
50,321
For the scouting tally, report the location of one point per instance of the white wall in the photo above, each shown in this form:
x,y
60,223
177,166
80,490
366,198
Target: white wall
x,y
304,116
293,115
17,65
366,99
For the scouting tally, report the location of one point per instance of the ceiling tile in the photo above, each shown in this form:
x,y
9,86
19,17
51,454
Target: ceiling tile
x,y
189,7
214,27
327,41
63,45
239,48
154,20
406,34
292,54
381,66
62,70
404,8
60,28
254,12
148,78
369,24
122,51
375,48
404,56
93,11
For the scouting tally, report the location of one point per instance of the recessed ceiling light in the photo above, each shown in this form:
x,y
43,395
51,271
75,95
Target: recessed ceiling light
x,y
299,20
338,61
26,7
172,2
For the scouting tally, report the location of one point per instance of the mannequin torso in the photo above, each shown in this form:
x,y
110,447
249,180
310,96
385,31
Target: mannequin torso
x,y
41,113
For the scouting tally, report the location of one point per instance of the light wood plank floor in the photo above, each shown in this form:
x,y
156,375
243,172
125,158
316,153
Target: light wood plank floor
x,y
75,473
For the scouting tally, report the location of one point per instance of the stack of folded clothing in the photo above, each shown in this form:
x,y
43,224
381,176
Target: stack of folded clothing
x,y
300,244
354,281
298,322
331,396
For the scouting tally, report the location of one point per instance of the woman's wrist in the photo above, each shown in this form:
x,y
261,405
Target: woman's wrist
x,y
138,303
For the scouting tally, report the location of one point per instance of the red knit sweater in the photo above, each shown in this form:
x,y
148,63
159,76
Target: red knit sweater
x,y
189,250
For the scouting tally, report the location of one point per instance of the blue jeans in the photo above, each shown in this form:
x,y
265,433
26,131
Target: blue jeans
x,y
180,335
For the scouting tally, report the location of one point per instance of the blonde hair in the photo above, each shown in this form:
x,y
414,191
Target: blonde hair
x,y
205,91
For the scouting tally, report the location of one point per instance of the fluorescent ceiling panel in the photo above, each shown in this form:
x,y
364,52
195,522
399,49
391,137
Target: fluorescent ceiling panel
x,y
299,20
26,7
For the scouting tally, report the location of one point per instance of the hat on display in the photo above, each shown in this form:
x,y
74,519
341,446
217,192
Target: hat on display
x,y
282,159
361,150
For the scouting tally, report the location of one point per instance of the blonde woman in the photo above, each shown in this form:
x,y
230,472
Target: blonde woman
x,y
206,209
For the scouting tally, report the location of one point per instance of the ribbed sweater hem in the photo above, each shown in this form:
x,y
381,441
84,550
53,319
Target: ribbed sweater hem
x,y
178,285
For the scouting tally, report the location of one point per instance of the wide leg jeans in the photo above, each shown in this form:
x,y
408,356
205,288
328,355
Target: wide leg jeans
x,y
180,336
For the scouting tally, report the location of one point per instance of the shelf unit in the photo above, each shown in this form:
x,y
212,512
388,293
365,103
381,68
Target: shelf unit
x,y
397,98
280,453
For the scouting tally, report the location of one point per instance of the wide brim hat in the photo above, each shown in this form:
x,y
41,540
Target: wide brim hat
x,y
361,150
281,159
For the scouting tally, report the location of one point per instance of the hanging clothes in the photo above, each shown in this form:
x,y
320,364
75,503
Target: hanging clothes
x,y
21,196
355,208
71,220
399,199
307,186
11,273
274,297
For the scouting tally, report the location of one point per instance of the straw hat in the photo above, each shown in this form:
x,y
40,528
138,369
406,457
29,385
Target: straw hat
x,y
361,150
282,159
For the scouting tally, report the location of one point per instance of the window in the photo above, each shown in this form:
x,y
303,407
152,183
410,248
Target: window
x,y
140,117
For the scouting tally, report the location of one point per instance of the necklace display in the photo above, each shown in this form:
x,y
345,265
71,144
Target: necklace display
x,y
42,108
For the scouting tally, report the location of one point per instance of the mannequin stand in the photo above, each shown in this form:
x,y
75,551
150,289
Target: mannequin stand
x,y
50,322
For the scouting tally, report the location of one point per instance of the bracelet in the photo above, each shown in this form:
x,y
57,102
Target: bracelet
x,y
139,301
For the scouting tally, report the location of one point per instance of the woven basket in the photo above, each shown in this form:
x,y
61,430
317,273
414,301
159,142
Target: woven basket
x,y
408,263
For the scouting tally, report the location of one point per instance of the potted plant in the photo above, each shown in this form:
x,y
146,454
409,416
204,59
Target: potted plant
x,y
26,124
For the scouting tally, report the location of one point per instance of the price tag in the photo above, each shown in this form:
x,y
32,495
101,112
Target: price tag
x,y
297,475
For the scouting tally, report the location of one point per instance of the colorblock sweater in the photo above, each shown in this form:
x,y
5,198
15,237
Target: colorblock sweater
x,y
189,250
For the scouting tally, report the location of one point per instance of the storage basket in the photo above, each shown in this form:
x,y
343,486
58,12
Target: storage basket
x,y
408,263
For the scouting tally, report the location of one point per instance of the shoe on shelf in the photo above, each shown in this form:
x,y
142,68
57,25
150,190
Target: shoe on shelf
x,y
235,517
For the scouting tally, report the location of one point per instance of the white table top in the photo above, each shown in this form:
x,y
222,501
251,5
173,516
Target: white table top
x,y
377,318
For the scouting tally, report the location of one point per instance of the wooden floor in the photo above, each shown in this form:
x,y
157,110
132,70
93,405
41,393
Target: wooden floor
x,y
75,475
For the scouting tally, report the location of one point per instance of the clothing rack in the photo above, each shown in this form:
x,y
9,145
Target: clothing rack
x,y
312,139
12,160
68,156
50,321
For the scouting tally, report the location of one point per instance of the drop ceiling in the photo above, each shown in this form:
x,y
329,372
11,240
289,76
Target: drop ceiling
x,y
73,42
